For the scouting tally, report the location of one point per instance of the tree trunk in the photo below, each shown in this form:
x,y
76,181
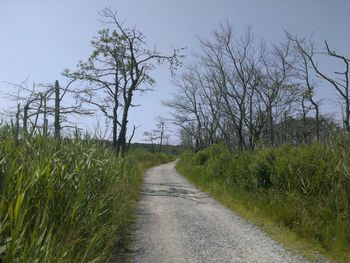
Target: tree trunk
x,y
161,141
130,139
285,127
45,128
317,123
251,129
17,123
57,124
347,115
241,140
115,127
121,142
25,118
271,131
304,122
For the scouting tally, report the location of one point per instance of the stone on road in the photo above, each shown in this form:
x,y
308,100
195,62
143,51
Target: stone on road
x,y
178,223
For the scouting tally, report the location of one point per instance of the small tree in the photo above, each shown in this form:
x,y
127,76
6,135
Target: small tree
x,y
160,133
151,138
119,67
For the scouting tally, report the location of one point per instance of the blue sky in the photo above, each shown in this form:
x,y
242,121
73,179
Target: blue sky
x,y
41,38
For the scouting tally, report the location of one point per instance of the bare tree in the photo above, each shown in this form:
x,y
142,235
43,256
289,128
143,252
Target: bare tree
x,y
33,100
240,92
151,138
39,102
235,88
186,105
303,69
118,68
134,128
340,82
277,91
60,111
160,132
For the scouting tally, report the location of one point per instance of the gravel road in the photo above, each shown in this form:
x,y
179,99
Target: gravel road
x,y
178,223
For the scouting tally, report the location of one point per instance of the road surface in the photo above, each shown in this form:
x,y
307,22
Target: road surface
x,y
178,223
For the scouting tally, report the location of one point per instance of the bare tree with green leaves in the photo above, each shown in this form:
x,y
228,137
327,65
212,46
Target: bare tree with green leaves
x,y
119,67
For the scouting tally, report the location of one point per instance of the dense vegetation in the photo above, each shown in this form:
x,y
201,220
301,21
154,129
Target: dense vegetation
x,y
67,201
305,189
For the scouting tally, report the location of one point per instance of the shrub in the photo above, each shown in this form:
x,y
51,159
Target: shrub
x,y
305,188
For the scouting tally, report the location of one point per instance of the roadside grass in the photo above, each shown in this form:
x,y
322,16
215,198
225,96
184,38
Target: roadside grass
x,y
298,195
67,201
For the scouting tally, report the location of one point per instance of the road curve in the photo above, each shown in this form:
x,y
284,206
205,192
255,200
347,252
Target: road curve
x,y
178,223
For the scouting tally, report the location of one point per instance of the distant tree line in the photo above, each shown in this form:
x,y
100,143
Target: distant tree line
x,y
246,94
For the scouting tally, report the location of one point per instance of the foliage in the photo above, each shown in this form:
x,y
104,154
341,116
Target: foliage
x,y
66,201
118,68
305,189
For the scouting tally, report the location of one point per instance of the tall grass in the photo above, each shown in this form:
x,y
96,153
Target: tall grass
x,y
67,201
305,189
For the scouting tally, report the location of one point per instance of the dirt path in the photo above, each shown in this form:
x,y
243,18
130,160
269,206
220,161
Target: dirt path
x,y
178,223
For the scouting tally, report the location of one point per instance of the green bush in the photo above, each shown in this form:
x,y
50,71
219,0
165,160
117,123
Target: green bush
x,y
263,168
237,173
305,188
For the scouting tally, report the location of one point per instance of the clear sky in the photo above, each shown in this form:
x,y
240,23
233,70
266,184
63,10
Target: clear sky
x,y
40,38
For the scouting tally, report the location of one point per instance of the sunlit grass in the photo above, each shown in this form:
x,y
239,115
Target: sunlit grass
x,y
67,201
299,195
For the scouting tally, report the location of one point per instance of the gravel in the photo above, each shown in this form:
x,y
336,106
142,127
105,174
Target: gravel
x,y
178,223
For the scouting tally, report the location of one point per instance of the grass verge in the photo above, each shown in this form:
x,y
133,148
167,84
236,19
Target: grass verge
x,y
298,195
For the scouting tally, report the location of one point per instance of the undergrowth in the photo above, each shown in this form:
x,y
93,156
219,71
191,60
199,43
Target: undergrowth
x,y
304,191
67,201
